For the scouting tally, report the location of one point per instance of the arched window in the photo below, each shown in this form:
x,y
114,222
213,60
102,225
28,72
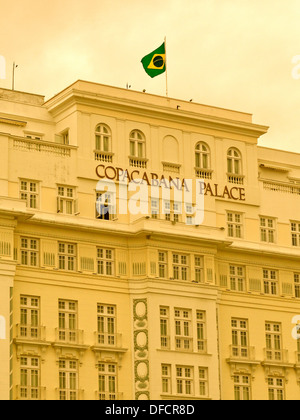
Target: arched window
x,y
137,144
103,138
202,156
234,162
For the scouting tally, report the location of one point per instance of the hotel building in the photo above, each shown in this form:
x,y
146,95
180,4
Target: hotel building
x,y
99,303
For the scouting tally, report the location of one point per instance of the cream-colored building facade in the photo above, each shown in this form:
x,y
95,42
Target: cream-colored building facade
x,y
116,305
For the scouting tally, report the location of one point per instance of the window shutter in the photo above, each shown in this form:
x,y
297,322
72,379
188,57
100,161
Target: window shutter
x,y
48,253
223,274
209,269
286,281
255,279
87,258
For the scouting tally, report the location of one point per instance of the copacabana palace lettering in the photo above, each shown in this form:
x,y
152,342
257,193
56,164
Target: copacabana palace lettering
x,y
214,190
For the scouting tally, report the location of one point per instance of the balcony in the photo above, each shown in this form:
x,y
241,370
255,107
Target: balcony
x,y
67,394
30,393
108,342
71,339
29,332
235,179
103,156
275,356
138,162
68,336
203,173
109,396
41,146
242,353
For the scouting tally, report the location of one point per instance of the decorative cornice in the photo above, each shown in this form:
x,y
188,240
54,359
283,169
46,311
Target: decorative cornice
x,y
13,122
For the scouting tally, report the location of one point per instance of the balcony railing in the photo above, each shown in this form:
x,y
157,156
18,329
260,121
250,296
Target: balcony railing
x,y
281,187
30,392
203,173
242,352
30,332
103,156
235,179
276,356
69,336
31,145
109,396
67,394
138,162
108,340
183,343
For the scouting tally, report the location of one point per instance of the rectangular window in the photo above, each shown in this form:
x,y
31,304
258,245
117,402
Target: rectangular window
x,y
154,208
295,230
108,381
105,205
242,387
172,211
201,331
276,390
166,379
163,264
66,200
105,261
185,380
297,284
164,327
29,192
273,342
237,278
203,382
183,329
240,345
68,380
30,317
30,252
270,282
267,230
180,267
30,378
234,225
67,321
106,322
66,256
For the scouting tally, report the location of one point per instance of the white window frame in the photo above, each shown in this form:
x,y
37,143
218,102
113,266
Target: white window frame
x,y
103,135
30,251
295,232
267,229
106,325
107,381
202,156
66,200
29,192
68,380
234,224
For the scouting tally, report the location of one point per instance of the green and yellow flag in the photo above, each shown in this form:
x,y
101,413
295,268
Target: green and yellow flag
x,y
155,62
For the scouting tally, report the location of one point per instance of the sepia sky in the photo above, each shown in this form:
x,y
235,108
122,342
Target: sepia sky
x,y
233,54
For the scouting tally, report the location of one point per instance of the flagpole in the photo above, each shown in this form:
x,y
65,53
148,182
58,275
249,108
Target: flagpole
x,y
166,66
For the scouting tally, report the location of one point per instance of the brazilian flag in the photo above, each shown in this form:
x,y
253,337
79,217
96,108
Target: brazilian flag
x,y
155,62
